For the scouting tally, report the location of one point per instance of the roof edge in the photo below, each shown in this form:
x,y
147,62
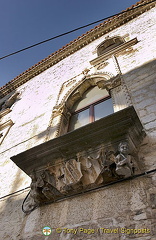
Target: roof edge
x,y
98,31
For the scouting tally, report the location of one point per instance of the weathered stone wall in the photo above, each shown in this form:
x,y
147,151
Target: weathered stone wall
x,y
129,205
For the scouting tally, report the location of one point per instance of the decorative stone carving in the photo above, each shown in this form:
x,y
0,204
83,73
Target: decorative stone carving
x,y
124,163
102,65
91,169
42,190
62,110
4,112
85,71
116,50
109,44
9,102
84,159
120,98
109,84
87,171
68,176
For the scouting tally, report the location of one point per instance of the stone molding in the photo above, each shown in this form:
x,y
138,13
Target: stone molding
x,y
5,112
62,110
4,129
114,51
5,108
6,124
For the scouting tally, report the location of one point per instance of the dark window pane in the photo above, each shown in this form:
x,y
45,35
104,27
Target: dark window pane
x,y
79,119
103,109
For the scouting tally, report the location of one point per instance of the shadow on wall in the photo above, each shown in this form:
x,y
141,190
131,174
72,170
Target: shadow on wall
x,y
11,215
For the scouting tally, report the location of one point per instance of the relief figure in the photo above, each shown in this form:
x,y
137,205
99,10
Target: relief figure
x,y
124,163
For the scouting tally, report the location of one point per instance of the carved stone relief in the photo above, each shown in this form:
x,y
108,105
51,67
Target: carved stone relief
x,y
87,170
124,161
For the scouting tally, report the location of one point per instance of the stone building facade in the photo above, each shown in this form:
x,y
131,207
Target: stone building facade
x,y
85,173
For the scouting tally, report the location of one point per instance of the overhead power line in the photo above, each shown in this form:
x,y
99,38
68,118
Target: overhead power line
x,y
108,184
76,29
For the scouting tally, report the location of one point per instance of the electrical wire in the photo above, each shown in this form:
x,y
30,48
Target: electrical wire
x,y
14,193
86,191
120,180
76,29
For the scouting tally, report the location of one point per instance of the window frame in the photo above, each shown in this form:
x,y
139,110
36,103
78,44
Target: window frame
x,y
91,111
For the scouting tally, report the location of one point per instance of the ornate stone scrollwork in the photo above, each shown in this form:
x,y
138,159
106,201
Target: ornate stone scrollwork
x,y
87,171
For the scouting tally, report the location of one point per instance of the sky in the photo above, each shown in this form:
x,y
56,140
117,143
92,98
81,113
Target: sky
x,y
26,22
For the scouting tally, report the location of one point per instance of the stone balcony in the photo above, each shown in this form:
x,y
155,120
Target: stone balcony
x,y
94,155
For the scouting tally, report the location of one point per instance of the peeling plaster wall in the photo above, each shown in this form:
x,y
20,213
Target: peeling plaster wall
x,y
130,204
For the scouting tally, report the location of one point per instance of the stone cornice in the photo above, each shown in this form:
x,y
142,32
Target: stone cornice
x,y
74,46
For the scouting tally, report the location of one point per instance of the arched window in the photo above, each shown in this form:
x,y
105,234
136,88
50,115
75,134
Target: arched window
x,y
95,104
109,44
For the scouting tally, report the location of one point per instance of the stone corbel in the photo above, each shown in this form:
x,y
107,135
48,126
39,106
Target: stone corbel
x,y
87,170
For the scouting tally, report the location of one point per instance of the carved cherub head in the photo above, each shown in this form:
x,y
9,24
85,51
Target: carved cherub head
x,y
123,148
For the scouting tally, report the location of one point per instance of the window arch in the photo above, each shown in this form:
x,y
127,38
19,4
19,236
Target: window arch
x,y
109,44
68,100
94,104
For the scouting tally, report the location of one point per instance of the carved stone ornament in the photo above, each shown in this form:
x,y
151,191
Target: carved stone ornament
x,y
62,111
8,102
87,158
88,170
116,50
124,162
